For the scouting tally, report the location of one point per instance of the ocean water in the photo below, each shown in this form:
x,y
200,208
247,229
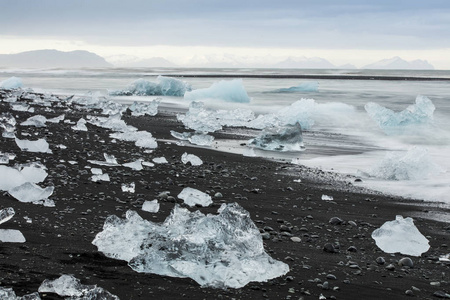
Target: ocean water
x,y
343,139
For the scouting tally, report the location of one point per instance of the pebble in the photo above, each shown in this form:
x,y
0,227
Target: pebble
x,y
352,249
331,277
329,248
335,221
296,239
409,293
218,195
390,267
441,294
380,260
406,261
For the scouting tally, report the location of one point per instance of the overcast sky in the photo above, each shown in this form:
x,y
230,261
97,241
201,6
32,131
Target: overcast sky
x,y
349,31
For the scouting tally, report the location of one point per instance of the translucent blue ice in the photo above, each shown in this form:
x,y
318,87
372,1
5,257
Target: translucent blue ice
x,y
164,86
393,123
303,87
224,90
11,83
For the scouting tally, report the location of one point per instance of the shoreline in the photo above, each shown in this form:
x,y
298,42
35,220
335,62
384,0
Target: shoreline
x,y
59,239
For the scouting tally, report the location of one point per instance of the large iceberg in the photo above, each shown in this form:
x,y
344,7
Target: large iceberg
x,y
164,86
224,250
11,83
393,123
312,86
400,235
224,90
284,138
415,164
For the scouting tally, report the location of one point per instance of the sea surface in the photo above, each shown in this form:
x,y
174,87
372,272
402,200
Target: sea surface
x,y
343,138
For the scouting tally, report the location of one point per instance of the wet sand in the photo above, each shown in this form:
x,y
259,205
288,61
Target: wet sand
x,y
59,239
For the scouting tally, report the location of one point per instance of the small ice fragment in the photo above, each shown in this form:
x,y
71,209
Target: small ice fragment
x,y
147,108
61,146
148,164
327,198
4,159
299,180
96,171
28,219
11,83
192,197
11,236
445,258
128,187
135,165
201,139
37,121
191,158
81,125
6,214
282,138
400,235
56,119
160,160
184,136
30,192
151,206
249,152
39,145
100,177
66,285
111,159
72,162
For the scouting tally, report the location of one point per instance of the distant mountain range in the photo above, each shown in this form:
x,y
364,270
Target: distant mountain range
x,y
396,63
53,59
85,59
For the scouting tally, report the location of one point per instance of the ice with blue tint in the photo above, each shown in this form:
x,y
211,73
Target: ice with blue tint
x,y
148,108
283,138
11,83
302,87
223,250
224,90
393,123
164,86
400,235
414,164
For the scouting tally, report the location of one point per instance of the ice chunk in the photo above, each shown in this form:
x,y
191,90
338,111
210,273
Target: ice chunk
x,y
66,285
194,197
7,294
184,136
415,164
142,139
147,108
100,177
191,158
312,86
39,145
151,206
393,123
128,187
249,152
284,138
6,214
37,121
96,171
148,164
160,160
327,198
165,86
224,250
81,125
30,192
21,107
110,161
4,158
11,236
199,119
113,122
400,235
201,139
12,177
56,119
11,83
445,258
8,124
135,165
224,90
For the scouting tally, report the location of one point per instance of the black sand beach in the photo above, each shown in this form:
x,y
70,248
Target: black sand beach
x,y
59,239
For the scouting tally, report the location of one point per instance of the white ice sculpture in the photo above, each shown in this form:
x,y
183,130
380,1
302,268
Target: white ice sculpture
x,y
400,235
224,250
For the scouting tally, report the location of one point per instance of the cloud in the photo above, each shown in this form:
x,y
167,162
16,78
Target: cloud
x,y
290,23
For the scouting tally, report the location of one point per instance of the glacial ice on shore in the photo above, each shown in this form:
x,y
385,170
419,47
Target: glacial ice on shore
x,y
415,164
30,192
164,86
400,235
128,187
11,83
11,236
194,197
6,214
224,90
160,160
110,161
39,145
142,139
310,86
284,138
135,165
191,158
9,294
80,126
393,123
148,108
151,206
193,138
224,250
98,175
12,177
113,122
69,286
37,121
8,124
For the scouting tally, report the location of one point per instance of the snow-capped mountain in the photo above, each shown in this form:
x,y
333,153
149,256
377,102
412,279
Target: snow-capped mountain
x,y
400,64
